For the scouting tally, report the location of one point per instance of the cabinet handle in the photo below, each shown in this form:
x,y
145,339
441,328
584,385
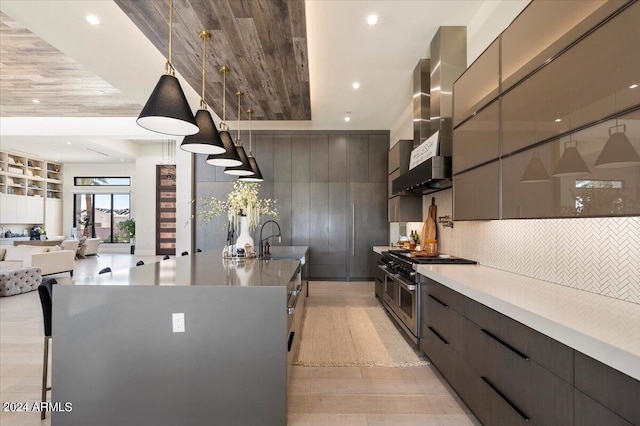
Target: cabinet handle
x,y
439,336
290,343
439,301
353,229
505,344
507,400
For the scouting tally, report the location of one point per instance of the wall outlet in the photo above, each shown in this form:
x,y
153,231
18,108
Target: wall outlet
x,y
178,322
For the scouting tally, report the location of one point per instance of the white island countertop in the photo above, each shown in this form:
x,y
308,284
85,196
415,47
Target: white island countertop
x,y
603,328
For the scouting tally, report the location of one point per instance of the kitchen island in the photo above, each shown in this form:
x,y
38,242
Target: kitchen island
x,y
189,340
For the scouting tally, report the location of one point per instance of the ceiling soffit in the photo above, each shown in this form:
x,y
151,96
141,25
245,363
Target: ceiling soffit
x,y
33,69
264,44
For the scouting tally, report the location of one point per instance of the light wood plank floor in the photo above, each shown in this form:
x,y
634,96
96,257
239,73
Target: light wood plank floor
x,y
317,395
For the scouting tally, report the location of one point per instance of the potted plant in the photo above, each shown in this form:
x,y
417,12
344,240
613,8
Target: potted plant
x,y
129,227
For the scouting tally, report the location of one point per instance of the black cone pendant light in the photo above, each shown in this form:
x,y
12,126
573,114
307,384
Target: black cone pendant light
x,y
207,140
257,174
243,169
167,110
229,158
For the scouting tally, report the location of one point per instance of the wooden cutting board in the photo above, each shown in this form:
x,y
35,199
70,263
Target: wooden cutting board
x,y
429,226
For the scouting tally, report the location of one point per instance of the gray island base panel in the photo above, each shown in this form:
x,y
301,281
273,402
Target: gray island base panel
x,y
117,359
603,328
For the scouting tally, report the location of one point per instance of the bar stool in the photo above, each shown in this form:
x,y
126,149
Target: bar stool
x,y
45,291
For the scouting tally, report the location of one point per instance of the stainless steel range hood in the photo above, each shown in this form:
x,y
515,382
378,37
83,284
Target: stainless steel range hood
x,y
448,62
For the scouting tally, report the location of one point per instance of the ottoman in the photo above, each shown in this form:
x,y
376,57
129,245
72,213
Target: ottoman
x,y
16,281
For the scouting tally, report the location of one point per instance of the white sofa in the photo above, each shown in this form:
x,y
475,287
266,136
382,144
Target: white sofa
x,y
51,260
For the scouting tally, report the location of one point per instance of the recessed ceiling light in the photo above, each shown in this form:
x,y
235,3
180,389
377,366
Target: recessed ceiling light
x,y
558,120
93,19
633,86
68,143
347,119
372,19
356,85
122,159
35,101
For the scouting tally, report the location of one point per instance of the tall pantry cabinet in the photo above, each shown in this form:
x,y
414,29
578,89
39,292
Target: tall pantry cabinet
x,y
331,189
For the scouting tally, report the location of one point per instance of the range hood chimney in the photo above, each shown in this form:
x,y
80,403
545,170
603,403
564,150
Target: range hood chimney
x,y
448,61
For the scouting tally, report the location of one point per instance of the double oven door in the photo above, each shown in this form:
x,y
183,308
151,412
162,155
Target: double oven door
x,y
401,297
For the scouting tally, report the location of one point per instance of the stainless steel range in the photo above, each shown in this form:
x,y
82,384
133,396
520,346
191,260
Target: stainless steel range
x,y
401,295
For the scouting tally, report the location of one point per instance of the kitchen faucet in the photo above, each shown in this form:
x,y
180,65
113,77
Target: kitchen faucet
x,y
266,240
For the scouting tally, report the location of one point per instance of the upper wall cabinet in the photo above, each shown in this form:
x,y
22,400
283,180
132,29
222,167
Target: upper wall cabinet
x,y
584,84
478,85
477,140
567,182
566,121
543,30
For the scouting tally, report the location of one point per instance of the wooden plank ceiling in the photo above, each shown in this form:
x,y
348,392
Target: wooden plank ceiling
x,y
33,69
263,42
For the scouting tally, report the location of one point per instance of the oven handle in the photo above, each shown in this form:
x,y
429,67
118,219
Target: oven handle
x,y
398,278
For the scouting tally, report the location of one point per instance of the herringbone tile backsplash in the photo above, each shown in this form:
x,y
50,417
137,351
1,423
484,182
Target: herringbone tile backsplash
x,y
599,255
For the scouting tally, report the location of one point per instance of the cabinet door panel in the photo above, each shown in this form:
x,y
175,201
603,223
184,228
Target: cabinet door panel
x,y
282,158
368,225
338,157
611,388
549,353
300,214
319,158
477,140
300,161
358,158
442,355
476,193
590,413
282,193
378,151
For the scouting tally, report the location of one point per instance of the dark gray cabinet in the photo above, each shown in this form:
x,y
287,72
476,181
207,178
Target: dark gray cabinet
x,y
510,374
318,178
368,227
401,207
608,387
476,193
377,274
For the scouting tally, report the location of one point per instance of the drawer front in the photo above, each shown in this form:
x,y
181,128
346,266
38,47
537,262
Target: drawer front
x,y
532,390
447,322
611,388
545,351
442,355
448,297
589,413
489,406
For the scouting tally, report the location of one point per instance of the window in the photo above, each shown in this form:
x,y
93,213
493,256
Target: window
x,y
98,216
599,195
102,181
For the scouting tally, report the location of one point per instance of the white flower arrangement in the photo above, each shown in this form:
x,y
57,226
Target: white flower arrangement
x,y
242,201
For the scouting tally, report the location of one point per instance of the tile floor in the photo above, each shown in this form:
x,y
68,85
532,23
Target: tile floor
x,y
317,395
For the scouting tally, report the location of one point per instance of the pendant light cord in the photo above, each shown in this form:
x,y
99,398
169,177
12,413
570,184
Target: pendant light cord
x,y
238,140
224,70
205,35
169,67
249,111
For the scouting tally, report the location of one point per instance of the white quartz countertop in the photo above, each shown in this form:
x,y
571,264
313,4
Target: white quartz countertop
x,y
603,328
